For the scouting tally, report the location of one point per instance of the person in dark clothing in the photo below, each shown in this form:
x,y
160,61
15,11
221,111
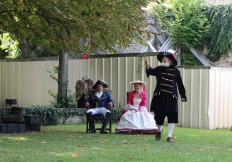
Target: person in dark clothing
x,y
165,98
98,103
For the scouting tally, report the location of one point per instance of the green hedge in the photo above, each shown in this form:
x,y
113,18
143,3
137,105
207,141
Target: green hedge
x,y
52,115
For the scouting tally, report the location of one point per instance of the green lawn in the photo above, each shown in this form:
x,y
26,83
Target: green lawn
x,y
71,143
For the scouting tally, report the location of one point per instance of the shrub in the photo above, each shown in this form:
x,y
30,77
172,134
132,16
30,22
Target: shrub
x,y
116,112
50,115
2,112
187,58
69,101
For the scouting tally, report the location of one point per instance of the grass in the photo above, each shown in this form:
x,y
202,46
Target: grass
x,y
70,143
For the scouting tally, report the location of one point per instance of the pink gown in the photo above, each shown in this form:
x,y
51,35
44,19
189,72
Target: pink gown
x,y
132,121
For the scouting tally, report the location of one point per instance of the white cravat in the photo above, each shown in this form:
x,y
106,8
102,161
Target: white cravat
x,y
99,94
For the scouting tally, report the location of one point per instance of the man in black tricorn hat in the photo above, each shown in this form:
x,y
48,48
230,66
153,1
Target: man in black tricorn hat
x,y
98,103
165,98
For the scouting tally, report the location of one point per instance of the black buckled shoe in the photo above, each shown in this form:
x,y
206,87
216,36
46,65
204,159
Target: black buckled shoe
x,y
103,132
170,139
92,130
158,136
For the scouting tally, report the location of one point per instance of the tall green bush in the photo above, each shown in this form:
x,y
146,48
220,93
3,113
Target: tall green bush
x,y
183,20
220,35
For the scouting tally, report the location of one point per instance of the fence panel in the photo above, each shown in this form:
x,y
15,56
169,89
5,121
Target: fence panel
x,y
220,92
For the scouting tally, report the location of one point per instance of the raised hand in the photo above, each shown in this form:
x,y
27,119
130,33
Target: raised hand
x,y
147,63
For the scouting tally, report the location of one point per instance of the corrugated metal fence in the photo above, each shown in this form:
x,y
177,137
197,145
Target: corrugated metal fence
x,y
220,102
208,89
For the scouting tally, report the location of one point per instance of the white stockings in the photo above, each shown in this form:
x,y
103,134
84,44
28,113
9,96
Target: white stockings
x,y
170,129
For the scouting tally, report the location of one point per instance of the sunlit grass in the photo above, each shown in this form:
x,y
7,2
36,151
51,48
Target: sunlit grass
x,y
71,143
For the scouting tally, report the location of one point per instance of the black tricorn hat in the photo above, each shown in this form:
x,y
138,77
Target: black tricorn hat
x,y
171,54
100,82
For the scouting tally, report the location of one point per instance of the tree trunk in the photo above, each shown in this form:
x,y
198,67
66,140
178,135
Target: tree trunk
x,y
62,77
24,48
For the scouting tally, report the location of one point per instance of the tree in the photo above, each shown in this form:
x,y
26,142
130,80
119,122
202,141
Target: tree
x,y
72,26
183,20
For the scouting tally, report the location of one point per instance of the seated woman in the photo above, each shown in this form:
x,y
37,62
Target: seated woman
x,y
136,118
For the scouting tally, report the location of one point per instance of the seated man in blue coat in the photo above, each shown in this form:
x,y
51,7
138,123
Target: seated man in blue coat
x,y
98,103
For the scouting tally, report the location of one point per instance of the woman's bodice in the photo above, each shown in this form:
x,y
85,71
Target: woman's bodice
x,y
136,101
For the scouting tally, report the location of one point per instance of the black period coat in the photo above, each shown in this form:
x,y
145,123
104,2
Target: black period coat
x,y
165,97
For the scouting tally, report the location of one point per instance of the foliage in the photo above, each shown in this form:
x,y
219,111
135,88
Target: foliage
x,y
116,112
69,25
52,73
50,115
8,46
71,143
72,26
192,22
2,112
187,58
184,20
66,102
220,37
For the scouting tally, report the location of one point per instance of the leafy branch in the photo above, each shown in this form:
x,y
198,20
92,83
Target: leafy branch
x,y
220,35
183,20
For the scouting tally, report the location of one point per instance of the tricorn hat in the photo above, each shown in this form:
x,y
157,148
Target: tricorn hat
x,y
100,82
171,54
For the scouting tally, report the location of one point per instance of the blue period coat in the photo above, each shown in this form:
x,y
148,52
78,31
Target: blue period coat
x,y
94,101
165,96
